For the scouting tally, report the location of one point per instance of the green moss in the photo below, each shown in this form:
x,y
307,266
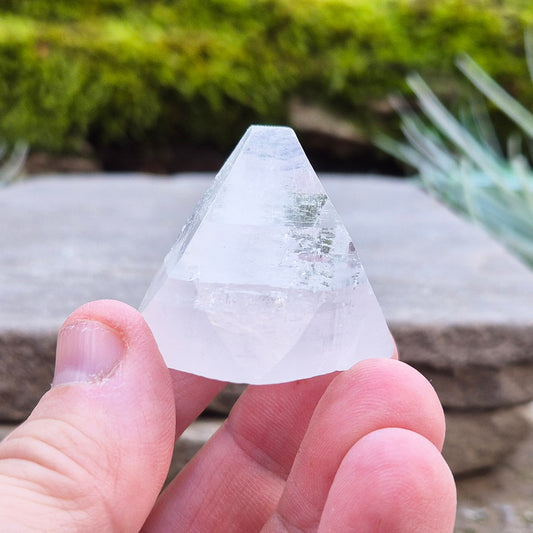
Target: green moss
x,y
113,71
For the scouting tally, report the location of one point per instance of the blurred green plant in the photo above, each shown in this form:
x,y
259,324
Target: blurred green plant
x,y
113,72
14,158
462,162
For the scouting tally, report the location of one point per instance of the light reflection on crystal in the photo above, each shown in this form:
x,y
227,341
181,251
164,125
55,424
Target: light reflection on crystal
x,y
264,284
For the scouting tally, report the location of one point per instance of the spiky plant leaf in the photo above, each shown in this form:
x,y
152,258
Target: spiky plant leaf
x,y
11,168
462,164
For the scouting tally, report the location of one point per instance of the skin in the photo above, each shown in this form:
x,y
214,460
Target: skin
x,y
352,451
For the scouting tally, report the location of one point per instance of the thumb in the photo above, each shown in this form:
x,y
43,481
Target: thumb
x,y
94,453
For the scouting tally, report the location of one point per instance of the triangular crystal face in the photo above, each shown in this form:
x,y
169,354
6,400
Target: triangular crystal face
x,y
264,284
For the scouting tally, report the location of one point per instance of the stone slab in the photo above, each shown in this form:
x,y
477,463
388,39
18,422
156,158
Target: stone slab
x,y
501,499
454,298
67,240
476,387
479,440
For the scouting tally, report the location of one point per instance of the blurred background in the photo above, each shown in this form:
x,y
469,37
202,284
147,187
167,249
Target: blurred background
x,y
170,85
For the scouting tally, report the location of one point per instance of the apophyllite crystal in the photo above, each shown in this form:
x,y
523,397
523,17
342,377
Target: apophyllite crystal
x,y
264,284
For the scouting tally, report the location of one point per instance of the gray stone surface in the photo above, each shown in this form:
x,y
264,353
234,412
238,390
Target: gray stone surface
x,y
454,298
500,500
70,240
481,386
480,440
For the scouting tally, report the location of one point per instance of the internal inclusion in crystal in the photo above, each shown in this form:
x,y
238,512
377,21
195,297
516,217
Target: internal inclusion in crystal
x,y
264,284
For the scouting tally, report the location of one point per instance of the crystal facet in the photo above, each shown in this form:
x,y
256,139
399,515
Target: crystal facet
x,y
264,284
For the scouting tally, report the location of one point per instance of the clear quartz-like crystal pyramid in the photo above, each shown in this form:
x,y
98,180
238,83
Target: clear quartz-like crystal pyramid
x,y
264,284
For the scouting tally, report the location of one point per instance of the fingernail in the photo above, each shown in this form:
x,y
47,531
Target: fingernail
x,y
86,351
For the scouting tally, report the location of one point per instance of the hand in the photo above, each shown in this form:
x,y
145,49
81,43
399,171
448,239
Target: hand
x,y
356,451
